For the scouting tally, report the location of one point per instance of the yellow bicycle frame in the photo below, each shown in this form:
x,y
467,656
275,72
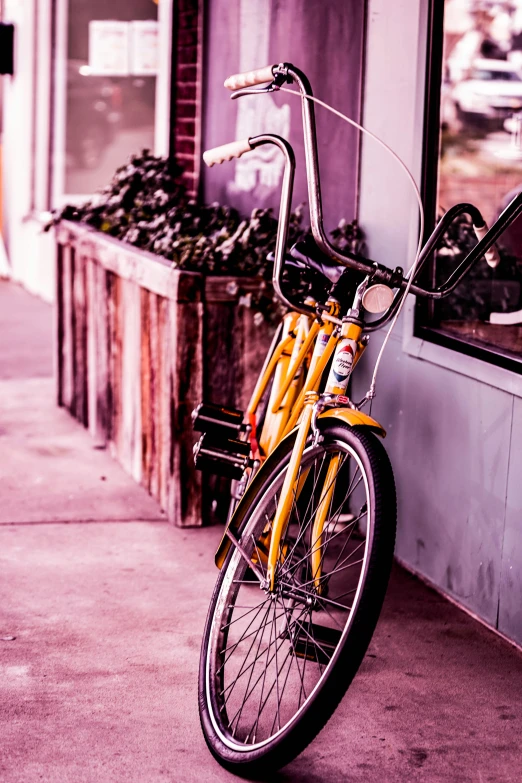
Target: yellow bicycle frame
x,y
303,341
290,489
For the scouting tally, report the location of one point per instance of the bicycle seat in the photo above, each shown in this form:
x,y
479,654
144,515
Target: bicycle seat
x,y
308,254
305,256
324,276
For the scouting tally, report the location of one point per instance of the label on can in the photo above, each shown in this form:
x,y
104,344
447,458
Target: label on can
x,y
342,363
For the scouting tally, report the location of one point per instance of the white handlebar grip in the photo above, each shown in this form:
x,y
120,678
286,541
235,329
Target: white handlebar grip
x,y
491,256
226,152
239,80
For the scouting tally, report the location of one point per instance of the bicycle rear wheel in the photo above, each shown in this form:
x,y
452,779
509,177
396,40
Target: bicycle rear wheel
x,y
274,666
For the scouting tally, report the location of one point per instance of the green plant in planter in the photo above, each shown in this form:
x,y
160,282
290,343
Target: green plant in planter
x,y
146,204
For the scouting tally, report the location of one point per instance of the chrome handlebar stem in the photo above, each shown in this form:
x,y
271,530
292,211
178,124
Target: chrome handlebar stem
x,y
284,216
313,178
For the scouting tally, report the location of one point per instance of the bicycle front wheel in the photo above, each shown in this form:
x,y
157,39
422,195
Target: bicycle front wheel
x,y
275,665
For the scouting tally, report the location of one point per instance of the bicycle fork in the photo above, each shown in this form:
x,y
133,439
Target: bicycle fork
x,y
347,352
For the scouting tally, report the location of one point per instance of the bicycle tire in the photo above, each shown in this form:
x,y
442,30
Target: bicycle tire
x,y
247,753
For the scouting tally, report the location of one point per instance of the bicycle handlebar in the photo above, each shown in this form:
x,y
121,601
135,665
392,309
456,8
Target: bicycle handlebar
x,y
492,257
259,76
233,149
277,75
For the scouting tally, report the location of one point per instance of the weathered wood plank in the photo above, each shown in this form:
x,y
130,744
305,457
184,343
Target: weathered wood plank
x,y
164,435
147,270
145,377
67,341
184,507
79,338
115,361
220,367
129,441
155,353
234,330
59,324
235,343
254,337
230,289
97,353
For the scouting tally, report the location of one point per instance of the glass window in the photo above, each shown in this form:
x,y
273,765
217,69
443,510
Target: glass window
x,y
110,82
480,161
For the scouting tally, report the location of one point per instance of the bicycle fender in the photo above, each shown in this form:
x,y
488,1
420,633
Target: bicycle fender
x,y
347,415
234,523
354,419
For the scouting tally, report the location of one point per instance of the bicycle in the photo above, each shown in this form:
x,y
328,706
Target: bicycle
x,y
307,552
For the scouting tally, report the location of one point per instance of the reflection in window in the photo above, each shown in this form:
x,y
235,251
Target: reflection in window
x,y
110,92
481,162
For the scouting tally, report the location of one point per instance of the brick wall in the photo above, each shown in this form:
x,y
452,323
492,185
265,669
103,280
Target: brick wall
x,y
186,88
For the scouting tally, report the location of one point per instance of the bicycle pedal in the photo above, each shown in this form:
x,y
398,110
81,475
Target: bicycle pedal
x,y
220,420
222,456
315,642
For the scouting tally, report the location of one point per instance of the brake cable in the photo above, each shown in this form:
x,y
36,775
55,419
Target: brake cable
x,y
410,275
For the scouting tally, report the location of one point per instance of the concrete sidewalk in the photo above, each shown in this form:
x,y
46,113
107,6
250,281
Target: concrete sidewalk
x,y
102,605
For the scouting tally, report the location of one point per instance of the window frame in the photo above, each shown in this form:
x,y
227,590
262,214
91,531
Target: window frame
x,y
422,313
58,196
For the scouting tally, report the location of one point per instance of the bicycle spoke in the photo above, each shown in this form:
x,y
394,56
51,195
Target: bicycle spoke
x,y
326,577
312,550
234,646
272,658
315,643
242,672
361,515
272,688
234,683
224,627
303,530
258,553
352,553
259,607
294,566
259,709
277,678
321,598
332,617
301,676
348,592
252,689
251,673
288,655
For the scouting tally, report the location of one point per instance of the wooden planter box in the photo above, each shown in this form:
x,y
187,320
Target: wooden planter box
x,y
139,344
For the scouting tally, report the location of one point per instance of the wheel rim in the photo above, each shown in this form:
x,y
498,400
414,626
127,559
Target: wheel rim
x,y
268,655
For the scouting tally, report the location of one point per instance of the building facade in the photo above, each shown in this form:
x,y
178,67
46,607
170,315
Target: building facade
x,y
439,83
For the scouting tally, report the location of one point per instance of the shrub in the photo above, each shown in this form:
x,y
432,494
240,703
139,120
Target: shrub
x,y
147,205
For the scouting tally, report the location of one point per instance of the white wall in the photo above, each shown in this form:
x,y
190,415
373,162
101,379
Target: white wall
x,y
453,422
392,109
30,254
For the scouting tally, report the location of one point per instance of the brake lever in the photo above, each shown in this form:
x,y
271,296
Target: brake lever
x,y
279,79
253,91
